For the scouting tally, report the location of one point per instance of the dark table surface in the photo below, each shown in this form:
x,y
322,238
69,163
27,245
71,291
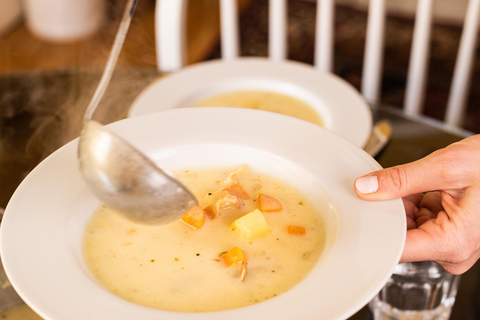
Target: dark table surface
x,y
39,112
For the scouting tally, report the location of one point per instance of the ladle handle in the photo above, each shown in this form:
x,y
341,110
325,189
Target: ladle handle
x,y
112,59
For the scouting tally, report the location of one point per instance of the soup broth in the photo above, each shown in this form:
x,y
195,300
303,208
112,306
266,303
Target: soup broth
x,y
190,268
266,101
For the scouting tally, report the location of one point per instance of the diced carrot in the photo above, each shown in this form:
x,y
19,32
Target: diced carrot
x,y
233,256
195,217
296,230
268,203
237,191
209,212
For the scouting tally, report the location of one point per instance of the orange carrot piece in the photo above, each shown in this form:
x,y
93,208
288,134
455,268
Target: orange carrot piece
x,y
233,256
268,203
237,191
209,212
195,217
296,230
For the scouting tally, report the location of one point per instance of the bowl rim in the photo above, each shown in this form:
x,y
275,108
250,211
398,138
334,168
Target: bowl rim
x,y
343,110
47,276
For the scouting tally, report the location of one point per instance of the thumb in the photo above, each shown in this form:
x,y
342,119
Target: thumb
x,y
399,181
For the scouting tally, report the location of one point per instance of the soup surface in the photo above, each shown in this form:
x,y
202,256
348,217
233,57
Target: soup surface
x,y
259,238
266,101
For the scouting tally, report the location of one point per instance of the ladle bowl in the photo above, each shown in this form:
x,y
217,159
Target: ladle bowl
x,y
126,180
118,174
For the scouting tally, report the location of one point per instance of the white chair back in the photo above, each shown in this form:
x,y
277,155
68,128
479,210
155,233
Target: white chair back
x,y
171,46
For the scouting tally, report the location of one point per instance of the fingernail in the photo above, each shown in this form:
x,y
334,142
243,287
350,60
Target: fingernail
x,y
367,184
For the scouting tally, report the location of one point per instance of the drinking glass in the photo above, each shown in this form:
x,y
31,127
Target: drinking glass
x,y
417,290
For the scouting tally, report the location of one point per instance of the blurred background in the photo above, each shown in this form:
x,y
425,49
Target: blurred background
x,y
24,48
52,53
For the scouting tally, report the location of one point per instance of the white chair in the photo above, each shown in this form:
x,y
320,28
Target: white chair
x,y
171,46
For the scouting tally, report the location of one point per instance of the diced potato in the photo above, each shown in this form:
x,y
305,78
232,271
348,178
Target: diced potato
x,y
233,256
238,191
268,203
296,230
195,217
252,225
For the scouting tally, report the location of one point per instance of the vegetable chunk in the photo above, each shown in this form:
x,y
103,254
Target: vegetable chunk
x,y
233,176
296,230
268,203
238,191
252,225
233,256
195,217
224,202
236,257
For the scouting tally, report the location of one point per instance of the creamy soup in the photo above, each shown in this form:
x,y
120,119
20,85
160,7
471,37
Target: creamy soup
x,y
252,238
264,100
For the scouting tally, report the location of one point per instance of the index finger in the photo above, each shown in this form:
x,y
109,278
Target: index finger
x,y
437,171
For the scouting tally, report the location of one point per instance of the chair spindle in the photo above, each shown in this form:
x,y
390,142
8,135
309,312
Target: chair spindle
x,y
229,29
460,87
419,54
172,14
277,30
324,34
373,58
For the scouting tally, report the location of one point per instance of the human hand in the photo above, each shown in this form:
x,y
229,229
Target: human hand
x,y
443,223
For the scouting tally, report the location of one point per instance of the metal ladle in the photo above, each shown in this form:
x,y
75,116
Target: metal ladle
x,y
118,174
